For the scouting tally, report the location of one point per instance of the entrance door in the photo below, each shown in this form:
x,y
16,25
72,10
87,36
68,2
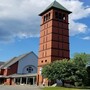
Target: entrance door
x,y
1,80
31,80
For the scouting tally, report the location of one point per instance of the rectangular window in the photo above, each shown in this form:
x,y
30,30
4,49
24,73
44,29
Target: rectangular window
x,y
56,14
60,16
64,17
49,15
42,61
45,60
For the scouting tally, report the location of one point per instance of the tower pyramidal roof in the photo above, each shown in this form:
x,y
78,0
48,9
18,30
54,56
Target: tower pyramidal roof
x,y
56,5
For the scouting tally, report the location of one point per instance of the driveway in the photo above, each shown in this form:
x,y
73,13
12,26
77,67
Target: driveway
x,y
19,87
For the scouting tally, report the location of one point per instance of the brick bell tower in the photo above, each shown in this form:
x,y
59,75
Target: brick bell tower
x,y
54,36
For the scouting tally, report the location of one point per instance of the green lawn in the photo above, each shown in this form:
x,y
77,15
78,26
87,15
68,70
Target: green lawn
x,y
61,88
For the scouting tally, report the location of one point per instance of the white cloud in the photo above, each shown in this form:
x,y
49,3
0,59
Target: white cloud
x,y
19,18
86,38
77,7
79,11
77,28
21,9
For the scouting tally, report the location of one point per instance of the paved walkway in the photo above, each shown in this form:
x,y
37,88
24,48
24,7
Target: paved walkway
x,y
19,87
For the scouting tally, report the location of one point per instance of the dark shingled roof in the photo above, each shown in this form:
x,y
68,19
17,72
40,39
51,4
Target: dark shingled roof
x,y
56,5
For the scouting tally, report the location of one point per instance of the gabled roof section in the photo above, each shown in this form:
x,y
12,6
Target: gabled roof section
x,y
56,5
15,59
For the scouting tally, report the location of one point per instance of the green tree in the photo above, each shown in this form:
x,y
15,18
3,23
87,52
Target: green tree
x,y
73,70
81,60
62,70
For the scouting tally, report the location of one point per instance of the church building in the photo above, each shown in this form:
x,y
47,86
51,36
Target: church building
x,y
54,36
19,70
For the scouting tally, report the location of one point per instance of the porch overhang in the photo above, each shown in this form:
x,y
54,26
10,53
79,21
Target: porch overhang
x,y
22,75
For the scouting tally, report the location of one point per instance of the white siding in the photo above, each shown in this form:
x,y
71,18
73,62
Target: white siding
x,y
30,59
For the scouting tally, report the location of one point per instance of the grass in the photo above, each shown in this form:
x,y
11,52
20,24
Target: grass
x,y
61,88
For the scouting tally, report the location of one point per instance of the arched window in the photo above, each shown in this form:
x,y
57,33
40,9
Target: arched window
x,y
29,69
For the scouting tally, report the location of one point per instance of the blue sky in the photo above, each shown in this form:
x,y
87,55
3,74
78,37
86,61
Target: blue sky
x,y
20,26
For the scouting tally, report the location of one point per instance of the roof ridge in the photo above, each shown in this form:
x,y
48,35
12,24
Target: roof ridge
x,y
54,2
56,5
15,59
